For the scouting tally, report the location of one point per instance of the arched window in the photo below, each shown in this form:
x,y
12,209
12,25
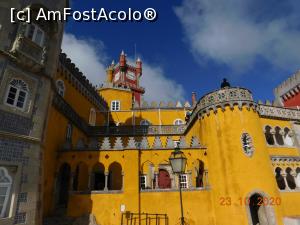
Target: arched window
x,y
60,86
279,179
290,179
199,173
92,119
269,135
145,123
5,188
69,132
260,214
178,122
98,177
287,137
63,184
17,93
278,136
115,181
247,144
147,175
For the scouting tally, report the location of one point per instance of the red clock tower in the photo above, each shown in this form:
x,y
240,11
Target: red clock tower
x,y
127,76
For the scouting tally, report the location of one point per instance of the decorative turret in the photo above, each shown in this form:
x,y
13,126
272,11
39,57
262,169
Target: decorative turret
x,y
122,60
123,75
194,98
109,73
138,67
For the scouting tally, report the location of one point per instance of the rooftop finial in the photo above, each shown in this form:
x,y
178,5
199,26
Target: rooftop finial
x,y
225,83
122,53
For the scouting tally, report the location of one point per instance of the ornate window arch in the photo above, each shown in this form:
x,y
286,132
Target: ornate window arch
x,y
60,86
247,144
279,178
5,188
287,137
269,135
93,117
279,136
17,93
290,178
178,122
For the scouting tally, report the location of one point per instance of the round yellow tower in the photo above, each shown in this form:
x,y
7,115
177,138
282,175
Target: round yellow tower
x,y
243,187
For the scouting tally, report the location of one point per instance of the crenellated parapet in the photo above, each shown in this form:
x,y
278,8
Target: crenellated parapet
x,y
138,130
288,88
163,105
226,97
121,143
230,96
239,97
80,82
278,112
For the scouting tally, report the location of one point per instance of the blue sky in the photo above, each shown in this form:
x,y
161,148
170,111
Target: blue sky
x,y
193,44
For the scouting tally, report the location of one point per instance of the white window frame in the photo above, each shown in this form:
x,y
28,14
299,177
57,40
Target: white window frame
x,y
184,184
145,123
178,122
16,99
7,195
93,117
61,90
36,29
144,182
115,105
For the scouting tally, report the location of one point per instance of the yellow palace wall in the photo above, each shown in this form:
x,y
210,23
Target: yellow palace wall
x,y
127,116
233,174
56,138
106,206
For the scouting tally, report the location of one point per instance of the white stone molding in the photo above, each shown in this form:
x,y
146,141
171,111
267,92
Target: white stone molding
x,y
106,144
118,144
170,143
131,143
157,143
195,142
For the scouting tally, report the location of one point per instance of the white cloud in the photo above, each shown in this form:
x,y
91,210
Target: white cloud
x,y
158,86
235,32
90,57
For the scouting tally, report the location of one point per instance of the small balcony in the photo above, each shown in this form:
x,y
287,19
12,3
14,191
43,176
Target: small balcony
x,y
29,53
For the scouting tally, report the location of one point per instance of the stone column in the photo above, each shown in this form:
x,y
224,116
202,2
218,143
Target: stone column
x,y
72,177
91,181
122,189
287,188
272,131
106,181
156,180
297,181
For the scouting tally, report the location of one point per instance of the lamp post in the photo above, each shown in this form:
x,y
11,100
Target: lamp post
x,y
178,164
